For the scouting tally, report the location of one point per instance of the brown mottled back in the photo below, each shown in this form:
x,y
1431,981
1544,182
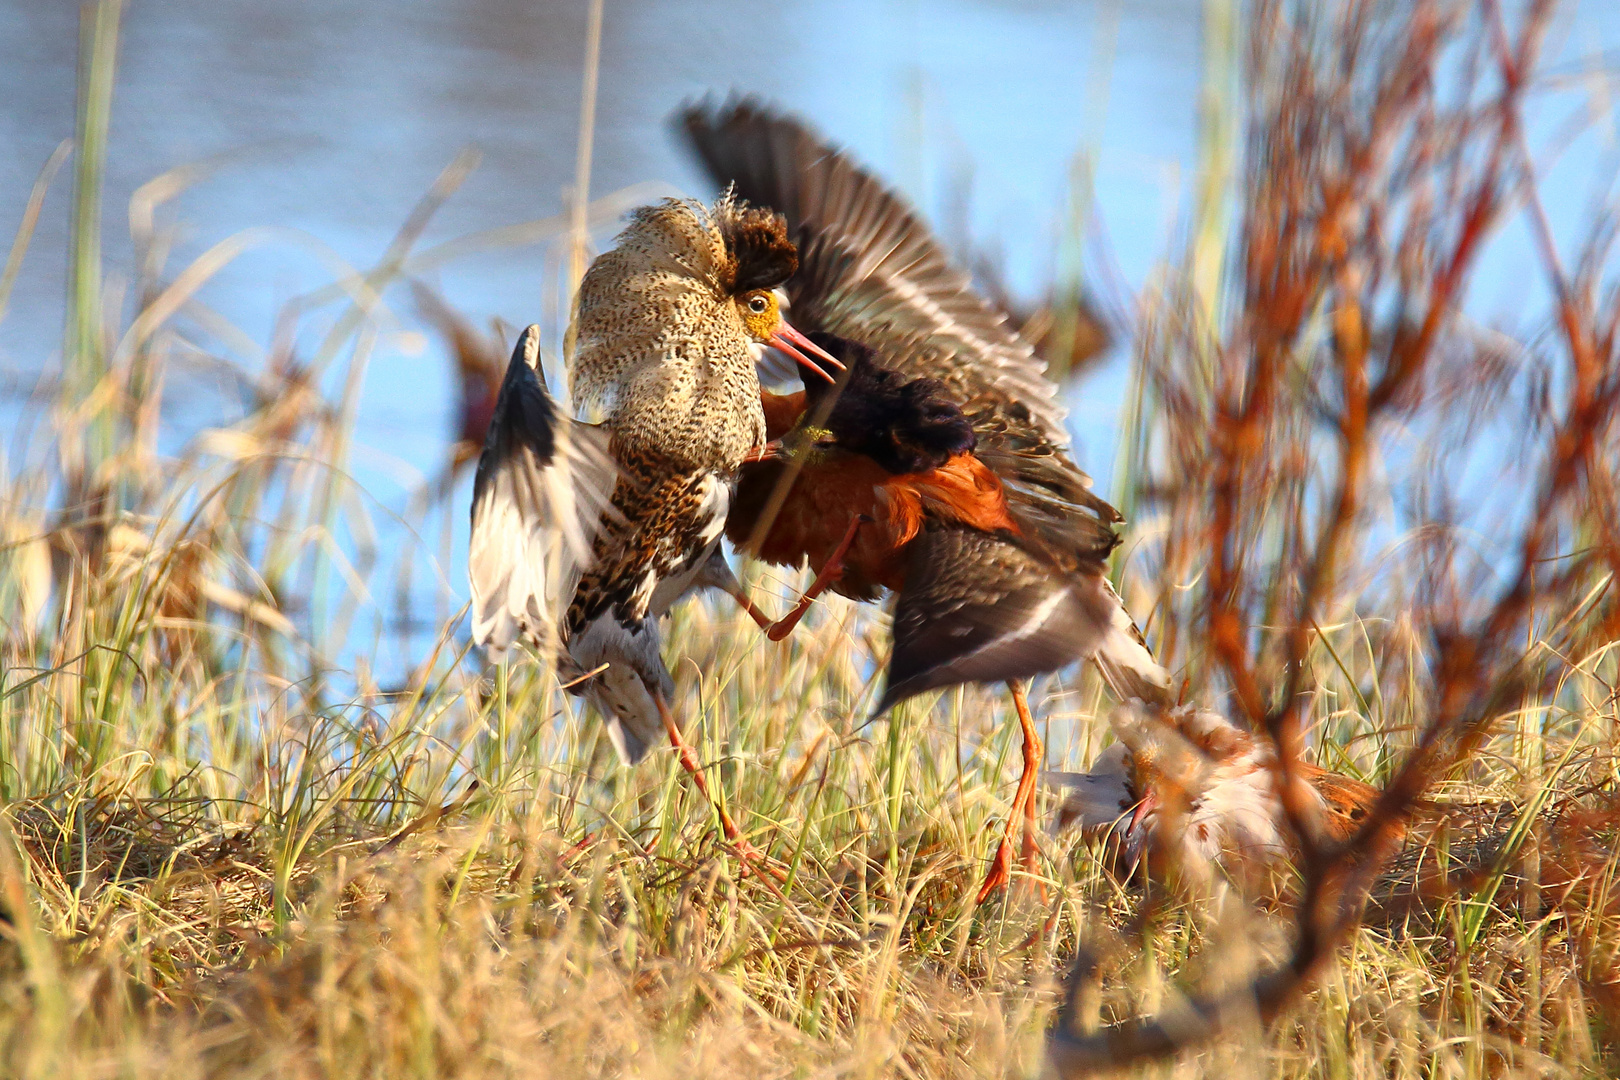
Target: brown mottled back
x,y
1346,801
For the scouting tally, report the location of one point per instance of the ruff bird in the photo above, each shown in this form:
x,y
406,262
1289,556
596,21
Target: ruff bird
x,y
1186,791
1187,797
937,469
584,534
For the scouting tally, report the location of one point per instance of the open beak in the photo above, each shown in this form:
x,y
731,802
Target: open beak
x,y
797,346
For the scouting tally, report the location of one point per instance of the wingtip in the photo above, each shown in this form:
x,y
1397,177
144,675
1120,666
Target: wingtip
x,y
715,109
527,348
703,116
892,696
692,115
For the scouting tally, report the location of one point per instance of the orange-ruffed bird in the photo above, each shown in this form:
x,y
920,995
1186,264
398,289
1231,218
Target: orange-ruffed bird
x,y
941,470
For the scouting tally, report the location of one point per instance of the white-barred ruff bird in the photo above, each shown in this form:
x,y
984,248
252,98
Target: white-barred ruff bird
x,y
584,534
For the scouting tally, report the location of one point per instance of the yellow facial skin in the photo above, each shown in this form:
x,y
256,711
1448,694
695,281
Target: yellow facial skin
x,y
759,313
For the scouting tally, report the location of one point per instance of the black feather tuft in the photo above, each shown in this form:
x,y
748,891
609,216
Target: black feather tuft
x,y
907,425
762,255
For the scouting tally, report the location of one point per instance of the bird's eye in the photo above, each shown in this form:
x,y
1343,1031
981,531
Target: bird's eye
x,y
758,304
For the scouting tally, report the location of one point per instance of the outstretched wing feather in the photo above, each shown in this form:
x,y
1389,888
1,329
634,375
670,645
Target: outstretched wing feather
x,y
869,268
543,487
982,607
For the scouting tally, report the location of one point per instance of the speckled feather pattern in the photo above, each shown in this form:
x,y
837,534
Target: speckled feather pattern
x,y
665,355
661,350
871,271
667,520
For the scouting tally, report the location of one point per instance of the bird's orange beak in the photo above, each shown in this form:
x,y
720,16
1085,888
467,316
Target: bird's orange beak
x,y
797,345
1143,805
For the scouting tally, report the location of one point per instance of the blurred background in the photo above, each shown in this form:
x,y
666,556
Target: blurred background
x,y
333,120
327,123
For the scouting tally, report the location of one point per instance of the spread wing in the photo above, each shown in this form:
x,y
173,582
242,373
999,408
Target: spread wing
x,y
543,487
869,268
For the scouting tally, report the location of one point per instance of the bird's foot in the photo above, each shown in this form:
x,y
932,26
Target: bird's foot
x,y
1029,860
750,855
756,860
1023,806
771,451
578,846
1000,873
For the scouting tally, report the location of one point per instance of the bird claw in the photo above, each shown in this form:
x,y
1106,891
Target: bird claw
x,y
1030,861
1000,873
831,572
771,451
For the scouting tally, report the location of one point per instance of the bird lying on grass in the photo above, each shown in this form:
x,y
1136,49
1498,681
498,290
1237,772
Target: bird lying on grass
x,y
1186,792
1189,798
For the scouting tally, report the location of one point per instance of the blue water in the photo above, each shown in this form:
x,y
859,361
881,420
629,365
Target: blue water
x,y
332,119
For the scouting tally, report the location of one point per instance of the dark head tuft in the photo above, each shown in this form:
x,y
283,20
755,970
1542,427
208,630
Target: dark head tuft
x,y
761,256
905,425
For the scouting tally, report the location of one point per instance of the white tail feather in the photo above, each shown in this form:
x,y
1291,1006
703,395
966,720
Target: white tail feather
x,y
1125,662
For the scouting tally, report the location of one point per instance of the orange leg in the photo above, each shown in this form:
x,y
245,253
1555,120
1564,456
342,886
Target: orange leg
x,y
829,573
746,851
1023,807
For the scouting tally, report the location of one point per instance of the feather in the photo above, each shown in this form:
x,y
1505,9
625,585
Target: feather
x,y
1123,657
539,498
982,607
1099,798
869,267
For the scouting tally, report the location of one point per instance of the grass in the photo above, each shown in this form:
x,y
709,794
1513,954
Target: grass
x,y
225,850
